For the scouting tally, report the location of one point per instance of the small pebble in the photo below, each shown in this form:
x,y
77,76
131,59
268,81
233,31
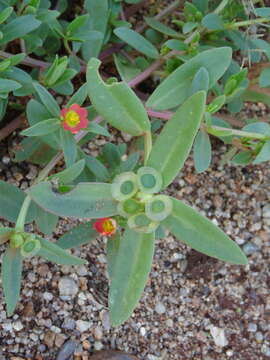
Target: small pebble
x,y
82,325
250,248
67,287
266,211
98,333
160,308
67,350
252,327
218,335
98,346
69,324
259,336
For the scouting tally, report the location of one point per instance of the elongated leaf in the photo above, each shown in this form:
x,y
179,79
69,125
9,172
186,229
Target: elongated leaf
x,y
137,41
4,234
11,199
202,151
5,14
116,102
157,25
79,235
79,96
98,129
86,200
47,100
264,154
11,278
99,12
46,222
200,81
42,128
69,147
176,138
56,254
18,27
175,88
8,85
68,175
130,273
112,249
97,168
201,234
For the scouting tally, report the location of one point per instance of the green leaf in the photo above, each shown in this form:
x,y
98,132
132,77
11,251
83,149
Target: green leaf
x,y
130,163
242,158
201,234
18,28
157,25
98,129
56,254
213,22
5,14
200,81
126,70
264,79
46,222
97,168
264,154
112,249
69,147
78,97
175,89
11,199
4,234
77,236
86,200
176,138
137,41
259,127
202,151
11,278
8,85
116,103
68,175
131,268
99,12
47,100
75,25
263,12
42,128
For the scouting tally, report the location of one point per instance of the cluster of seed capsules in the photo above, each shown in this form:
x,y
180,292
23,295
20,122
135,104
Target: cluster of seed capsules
x,y
28,243
137,201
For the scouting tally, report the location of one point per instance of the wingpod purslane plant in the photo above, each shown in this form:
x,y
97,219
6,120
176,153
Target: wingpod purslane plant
x,y
135,199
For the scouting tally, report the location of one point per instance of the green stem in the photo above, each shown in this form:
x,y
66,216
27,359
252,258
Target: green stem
x,y
22,214
221,6
247,23
147,145
246,134
67,47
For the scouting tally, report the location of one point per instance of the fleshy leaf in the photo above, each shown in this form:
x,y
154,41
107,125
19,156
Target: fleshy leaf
x,y
77,236
11,278
130,272
176,138
116,103
201,234
86,200
175,89
56,254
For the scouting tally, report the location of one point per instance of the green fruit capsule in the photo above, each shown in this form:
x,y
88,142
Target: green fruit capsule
x,y
129,207
30,247
124,186
141,223
149,180
158,208
16,240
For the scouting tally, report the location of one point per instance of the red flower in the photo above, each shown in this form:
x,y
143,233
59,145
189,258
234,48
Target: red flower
x,y
74,118
105,226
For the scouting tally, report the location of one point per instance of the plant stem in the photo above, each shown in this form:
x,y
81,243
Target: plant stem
x,y
221,6
147,145
246,134
22,214
67,47
238,24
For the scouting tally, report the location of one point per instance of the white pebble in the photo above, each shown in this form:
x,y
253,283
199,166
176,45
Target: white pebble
x,y
218,335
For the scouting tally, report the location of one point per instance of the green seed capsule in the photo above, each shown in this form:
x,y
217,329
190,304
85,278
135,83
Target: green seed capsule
x,y
158,208
149,180
16,240
30,247
124,186
129,207
141,223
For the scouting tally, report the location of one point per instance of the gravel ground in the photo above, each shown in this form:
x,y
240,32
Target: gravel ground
x,y
193,307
